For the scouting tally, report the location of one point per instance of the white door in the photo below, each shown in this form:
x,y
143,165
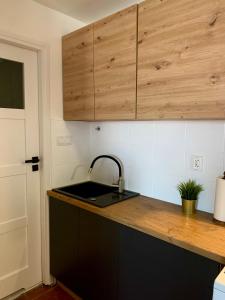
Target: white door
x,y
20,243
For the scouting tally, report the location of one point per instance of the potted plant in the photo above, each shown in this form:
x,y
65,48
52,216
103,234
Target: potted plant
x,y
189,192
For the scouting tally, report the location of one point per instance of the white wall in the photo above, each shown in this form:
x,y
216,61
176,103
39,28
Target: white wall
x,y
30,20
157,155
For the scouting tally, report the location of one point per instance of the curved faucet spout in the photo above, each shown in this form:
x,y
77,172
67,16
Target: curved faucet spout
x,y
120,167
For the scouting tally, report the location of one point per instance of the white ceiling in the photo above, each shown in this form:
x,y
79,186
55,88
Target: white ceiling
x,y
87,10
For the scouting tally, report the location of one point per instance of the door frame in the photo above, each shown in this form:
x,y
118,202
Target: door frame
x,y
43,54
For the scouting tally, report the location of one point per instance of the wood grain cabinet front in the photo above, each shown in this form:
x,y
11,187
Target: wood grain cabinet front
x,y
78,77
115,39
181,54
162,59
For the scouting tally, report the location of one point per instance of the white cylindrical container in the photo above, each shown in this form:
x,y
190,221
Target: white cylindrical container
x,y
219,206
219,286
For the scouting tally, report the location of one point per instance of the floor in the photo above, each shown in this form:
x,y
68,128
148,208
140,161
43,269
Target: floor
x,y
46,293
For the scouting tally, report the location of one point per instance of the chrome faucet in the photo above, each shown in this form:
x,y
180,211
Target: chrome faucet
x,y
120,166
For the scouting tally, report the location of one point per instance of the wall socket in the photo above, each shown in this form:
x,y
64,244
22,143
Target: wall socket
x,y
197,162
64,140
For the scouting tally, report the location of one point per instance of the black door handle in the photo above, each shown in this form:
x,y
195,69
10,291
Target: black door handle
x,y
34,160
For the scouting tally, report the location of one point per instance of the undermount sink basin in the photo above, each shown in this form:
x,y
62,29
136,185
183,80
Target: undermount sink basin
x,y
98,194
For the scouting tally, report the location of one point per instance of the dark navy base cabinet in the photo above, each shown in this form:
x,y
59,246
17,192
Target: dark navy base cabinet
x,y
64,228
97,257
152,269
100,259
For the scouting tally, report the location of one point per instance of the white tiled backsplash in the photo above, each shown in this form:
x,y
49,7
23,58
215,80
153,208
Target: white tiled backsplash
x,y
156,155
70,162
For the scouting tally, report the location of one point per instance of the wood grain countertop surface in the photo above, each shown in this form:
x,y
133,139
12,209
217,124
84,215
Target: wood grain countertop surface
x,y
165,221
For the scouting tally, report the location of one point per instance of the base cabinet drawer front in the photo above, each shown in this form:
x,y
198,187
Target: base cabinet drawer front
x,y
181,49
100,259
153,269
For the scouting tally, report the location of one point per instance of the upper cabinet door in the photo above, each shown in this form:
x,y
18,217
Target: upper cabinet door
x,y
115,40
78,81
181,59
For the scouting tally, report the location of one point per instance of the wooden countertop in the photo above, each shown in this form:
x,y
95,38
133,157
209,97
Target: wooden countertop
x,y
165,221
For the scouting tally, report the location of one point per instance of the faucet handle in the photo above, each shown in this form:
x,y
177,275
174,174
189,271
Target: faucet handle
x,y
115,181
121,184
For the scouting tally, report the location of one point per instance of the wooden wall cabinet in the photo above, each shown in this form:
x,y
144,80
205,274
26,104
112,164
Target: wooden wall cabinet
x,y
99,69
115,41
181,54
177,71
78,75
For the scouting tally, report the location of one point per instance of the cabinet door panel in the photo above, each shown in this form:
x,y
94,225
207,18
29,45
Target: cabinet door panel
x,y
98,250
64,242
181,53
115,39
153,269
78,81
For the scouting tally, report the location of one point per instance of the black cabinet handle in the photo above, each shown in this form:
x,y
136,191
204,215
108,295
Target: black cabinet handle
x,y
34,160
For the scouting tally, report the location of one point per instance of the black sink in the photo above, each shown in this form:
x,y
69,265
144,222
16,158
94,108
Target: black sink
x,y
98,194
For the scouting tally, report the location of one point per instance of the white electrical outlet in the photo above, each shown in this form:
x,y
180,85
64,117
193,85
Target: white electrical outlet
x,y
64,140
197,163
